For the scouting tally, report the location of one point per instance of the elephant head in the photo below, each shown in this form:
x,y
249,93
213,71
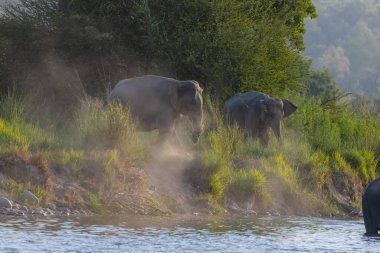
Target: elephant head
x,y
186,99
272,111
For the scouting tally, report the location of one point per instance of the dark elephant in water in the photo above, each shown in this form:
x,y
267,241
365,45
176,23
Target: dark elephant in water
x,y
156,102
371,207
256,113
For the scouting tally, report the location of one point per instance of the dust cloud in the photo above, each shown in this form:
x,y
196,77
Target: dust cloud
x,y
167,166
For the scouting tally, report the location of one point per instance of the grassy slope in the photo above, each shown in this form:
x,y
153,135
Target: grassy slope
x,y
327,157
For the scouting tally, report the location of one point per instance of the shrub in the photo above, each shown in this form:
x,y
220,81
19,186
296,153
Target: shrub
x,y
246,184
218,149
99,126
278,166
319,170
69,157
15,128
94,204
363,162
11,108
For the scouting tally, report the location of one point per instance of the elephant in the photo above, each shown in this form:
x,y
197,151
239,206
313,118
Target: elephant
x,y
371,207
156,102
256,113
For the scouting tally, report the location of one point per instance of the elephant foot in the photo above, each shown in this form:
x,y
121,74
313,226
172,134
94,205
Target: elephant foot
x,y
370,230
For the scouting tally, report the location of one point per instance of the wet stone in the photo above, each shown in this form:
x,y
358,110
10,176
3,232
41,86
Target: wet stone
x,y
16,206
64,210
52,206
11,213
30,197
5,203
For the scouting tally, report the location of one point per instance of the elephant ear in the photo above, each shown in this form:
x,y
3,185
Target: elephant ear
x,y
198,87
288,107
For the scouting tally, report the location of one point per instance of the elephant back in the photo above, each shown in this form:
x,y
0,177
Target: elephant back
x,y
241,99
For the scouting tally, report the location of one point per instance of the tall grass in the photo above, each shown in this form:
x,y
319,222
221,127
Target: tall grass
x,y
15,191
324,150
104,133
16,130
99,126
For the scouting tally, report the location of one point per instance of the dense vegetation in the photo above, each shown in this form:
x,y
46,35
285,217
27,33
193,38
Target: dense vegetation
x,y
59,58
253,45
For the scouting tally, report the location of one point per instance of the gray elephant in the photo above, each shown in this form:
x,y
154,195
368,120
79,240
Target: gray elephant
x,y
256,113
371,207
156,102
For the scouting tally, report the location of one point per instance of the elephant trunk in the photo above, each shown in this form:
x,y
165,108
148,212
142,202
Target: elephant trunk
x,y
277,130
197,122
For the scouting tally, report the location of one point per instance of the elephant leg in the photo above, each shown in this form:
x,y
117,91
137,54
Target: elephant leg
x,y
174,139
264,137
370,224
163,136
165,126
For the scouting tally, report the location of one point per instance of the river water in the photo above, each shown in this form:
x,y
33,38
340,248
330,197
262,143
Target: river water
x,y
184,234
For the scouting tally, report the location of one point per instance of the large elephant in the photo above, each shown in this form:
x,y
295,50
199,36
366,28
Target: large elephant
x,y
256,113
371,207
156,102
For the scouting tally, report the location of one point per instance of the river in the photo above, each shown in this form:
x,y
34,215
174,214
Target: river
x,y
184,234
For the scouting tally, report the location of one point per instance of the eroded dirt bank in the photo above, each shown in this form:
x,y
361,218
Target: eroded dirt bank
x,y
166,184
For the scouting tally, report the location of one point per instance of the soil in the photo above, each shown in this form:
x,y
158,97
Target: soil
x,y
164,185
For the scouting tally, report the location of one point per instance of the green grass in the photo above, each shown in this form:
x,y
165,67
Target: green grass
x,y
319,144
246,184
95,205
99,126
17,131
15,191
105,134
69,157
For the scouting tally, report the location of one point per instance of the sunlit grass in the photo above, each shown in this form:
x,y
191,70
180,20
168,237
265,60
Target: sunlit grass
x,y
318,145
15,191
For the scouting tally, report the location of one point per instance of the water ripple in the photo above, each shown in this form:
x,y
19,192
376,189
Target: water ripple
x,y
184,234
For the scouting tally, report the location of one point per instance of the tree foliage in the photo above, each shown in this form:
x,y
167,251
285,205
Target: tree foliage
x,y
322,84
227,45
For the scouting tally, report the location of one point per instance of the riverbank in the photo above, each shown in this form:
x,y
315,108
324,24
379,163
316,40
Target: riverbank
x,y
100,163
164,186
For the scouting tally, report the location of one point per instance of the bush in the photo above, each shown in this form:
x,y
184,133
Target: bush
x,y
246,184
69,157
219,148
15,128
99,126
363,162
318,171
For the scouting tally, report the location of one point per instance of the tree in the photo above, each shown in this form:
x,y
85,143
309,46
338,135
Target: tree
x,y
228,45
322,84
